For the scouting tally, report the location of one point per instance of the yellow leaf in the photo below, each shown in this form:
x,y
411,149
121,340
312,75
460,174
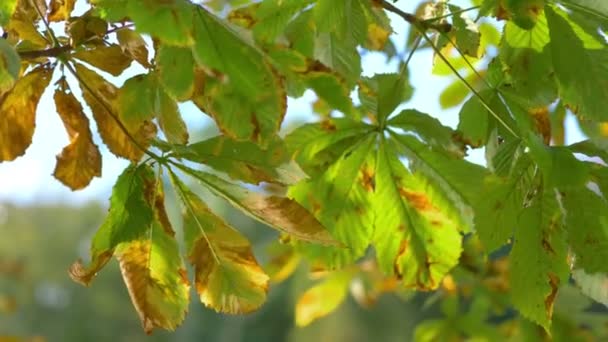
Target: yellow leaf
x,y
107,58
282,262
377,36
80,161
18,113
156,279
61,9
100,95
227,276
134,46
322,299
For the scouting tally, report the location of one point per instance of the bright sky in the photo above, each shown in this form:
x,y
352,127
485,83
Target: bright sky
x,y
29,178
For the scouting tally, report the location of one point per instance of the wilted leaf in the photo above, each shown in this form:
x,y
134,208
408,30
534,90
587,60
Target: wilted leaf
x,y
156,279
60,9
129,218
80,161
323,298
18,113
278,212
133,45
227,275
107,58
101,96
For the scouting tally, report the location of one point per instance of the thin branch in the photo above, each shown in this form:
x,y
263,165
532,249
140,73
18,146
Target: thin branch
x,y
462,10
46,23
412,19
51,52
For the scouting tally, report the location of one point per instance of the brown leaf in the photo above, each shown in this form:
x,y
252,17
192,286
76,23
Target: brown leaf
x,y
100,95
61,9
107,58
80,161
134,46
18,113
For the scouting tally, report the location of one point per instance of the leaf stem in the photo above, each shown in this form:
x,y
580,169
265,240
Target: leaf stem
x,y
46,24
412,19
105,106
462,10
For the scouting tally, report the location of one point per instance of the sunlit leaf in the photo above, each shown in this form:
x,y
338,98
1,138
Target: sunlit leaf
x,y
18,113
283,261
382,93
228,278
6,10
80,161
108,58
466,33
341,199
101,96
419,240
129,218
170,21
323,298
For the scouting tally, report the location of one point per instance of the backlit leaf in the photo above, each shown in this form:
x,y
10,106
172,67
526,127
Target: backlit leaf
x,y
282,261
538,260
18,113
101,96
6,10
466,33
382,93
277,212
419,240
137,100
170,120
323,298
227,275
341,199
108,58
80,161
129,218
168,20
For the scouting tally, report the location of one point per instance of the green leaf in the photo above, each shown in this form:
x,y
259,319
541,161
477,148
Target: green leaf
x,y
538,260
598,8
429,129
227,275
466,32
323,298
6,10
382,93
587,227
250,102
243,160
277,212
176,70
168,20
10,64
338,55
581,89
271,17
137,99
129,218
308,142
418,239
341,198
170,120
499,204
475,122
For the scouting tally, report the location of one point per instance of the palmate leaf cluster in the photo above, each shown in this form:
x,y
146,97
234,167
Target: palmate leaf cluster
x,y
372,194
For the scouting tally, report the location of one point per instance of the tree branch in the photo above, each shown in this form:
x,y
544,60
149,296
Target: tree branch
x,y
51,52
412,19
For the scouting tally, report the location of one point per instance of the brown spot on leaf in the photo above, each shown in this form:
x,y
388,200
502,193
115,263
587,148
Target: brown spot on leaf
x,y
418,200
367,179
550,299
328,126
255,135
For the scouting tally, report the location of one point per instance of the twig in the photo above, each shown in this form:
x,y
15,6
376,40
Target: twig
x,y
52,52
414,20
